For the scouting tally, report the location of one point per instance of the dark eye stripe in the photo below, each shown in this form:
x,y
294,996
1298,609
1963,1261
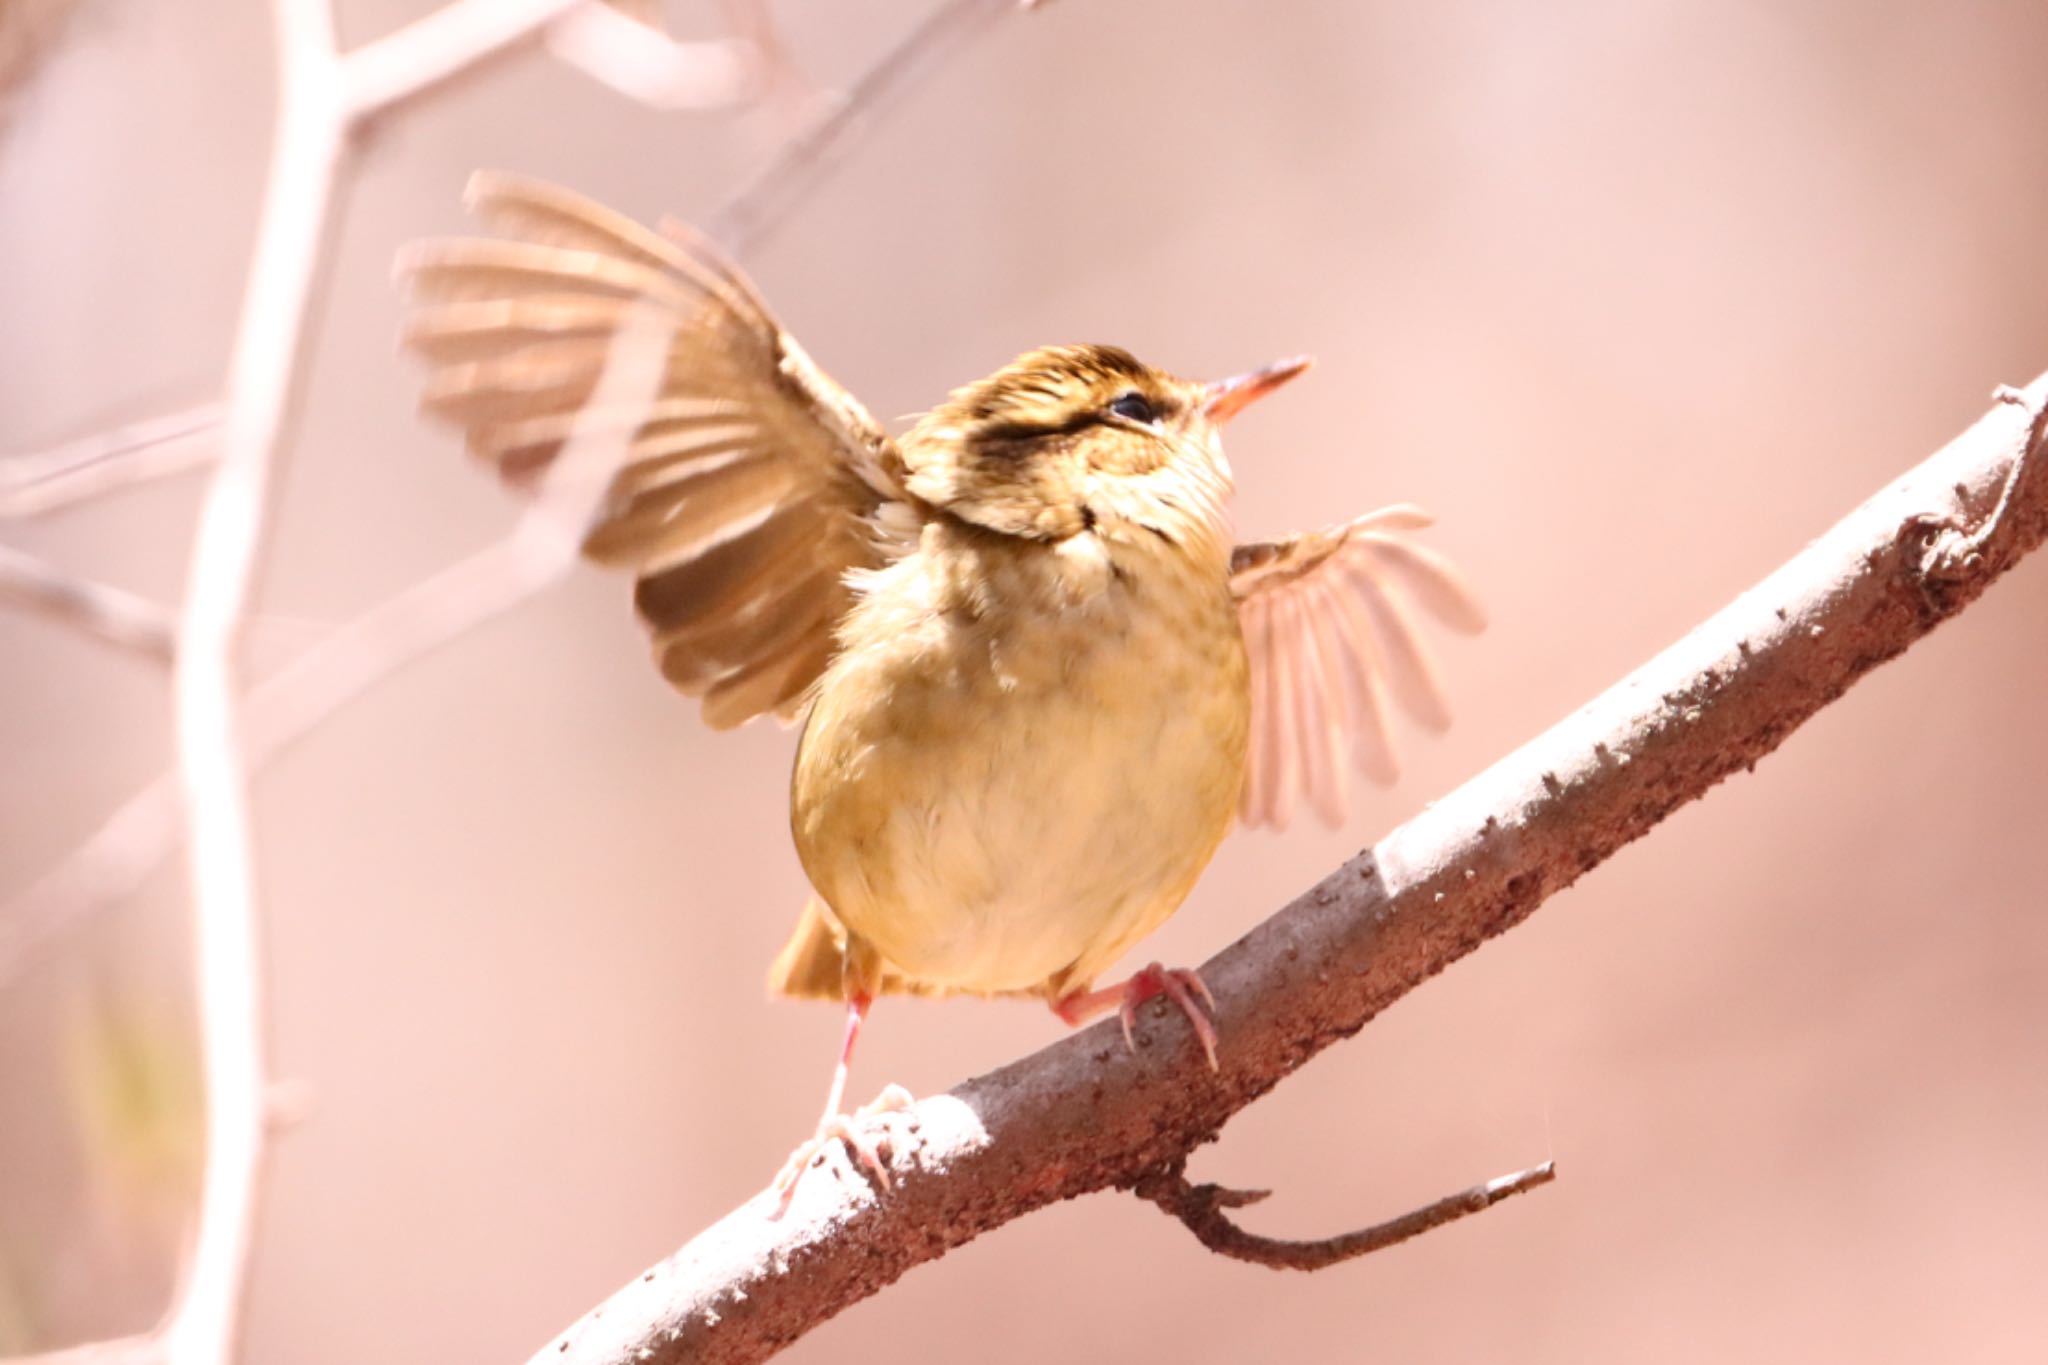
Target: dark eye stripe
x,y
1134,406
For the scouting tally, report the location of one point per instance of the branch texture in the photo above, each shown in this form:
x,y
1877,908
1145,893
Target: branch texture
x,y
1086,1114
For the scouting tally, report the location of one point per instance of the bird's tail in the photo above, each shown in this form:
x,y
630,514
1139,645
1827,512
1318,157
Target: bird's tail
x,y
822,961
812,965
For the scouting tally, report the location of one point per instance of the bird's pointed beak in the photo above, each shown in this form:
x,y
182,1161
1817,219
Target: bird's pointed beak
x,y
1228,397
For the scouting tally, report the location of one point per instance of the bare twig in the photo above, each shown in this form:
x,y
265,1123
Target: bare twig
x,y
446,43
1086,1114
305,151
1201,1208
27,30
46,480
629,56
110,614
764,202
135,1350
648,66
136,838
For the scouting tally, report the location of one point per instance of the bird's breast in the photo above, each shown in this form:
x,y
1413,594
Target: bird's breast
x,y
1005,782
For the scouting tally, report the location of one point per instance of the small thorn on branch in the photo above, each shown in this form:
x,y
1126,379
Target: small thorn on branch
x,y
1201,1207
1955,555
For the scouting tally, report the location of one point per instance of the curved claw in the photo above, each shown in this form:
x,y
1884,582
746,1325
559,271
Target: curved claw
x,y
864,1146
1182,985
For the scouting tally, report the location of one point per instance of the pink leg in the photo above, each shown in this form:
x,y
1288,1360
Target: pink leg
x,y
1180,984
835,1126
856,1014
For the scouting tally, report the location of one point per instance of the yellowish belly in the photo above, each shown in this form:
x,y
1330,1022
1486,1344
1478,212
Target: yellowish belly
x,y
1011,815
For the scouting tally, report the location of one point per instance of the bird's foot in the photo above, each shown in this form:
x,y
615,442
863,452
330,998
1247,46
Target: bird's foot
x,y
862,1141
1182,985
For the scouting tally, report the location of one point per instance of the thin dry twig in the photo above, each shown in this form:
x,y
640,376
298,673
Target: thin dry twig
x,y
651,68
112,615
764,202
43,481
1086,1114
134,1350
1201,1208
305,153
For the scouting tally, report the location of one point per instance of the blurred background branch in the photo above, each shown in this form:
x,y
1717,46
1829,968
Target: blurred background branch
x,y
106,613
27,29
32,483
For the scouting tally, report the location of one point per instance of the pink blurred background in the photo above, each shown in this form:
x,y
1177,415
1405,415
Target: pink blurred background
x,y
1638,297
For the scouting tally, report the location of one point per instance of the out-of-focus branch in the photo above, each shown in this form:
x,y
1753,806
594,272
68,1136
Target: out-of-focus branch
x,y
764,202
444,44
651,68
1201,1208
28,29
633,58
109,614
141,833
1086,1114
135,1350
45,480
306,150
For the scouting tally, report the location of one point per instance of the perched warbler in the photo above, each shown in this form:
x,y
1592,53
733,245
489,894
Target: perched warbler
x,y
1036,678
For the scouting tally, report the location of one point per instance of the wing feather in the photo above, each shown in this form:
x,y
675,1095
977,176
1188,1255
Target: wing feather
x,y
1330,624
746,490
1274,740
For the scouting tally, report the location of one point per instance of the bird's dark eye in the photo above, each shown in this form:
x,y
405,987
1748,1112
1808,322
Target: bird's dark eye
x,y
1134,406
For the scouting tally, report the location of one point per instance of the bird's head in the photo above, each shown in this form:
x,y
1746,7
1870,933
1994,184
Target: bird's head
x,y
1066,439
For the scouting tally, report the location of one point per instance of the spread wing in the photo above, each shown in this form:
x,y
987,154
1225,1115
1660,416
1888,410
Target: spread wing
x,y
1330,626
748,486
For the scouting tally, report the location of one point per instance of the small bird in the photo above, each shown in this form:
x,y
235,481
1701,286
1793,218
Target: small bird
x,y
1036,679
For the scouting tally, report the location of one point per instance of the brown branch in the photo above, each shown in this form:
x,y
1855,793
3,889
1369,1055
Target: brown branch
x,y
1201,1207
1086,1114
109,614
28,30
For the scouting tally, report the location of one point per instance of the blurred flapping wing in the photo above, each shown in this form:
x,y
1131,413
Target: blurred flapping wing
x,y
745,488
1330,626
